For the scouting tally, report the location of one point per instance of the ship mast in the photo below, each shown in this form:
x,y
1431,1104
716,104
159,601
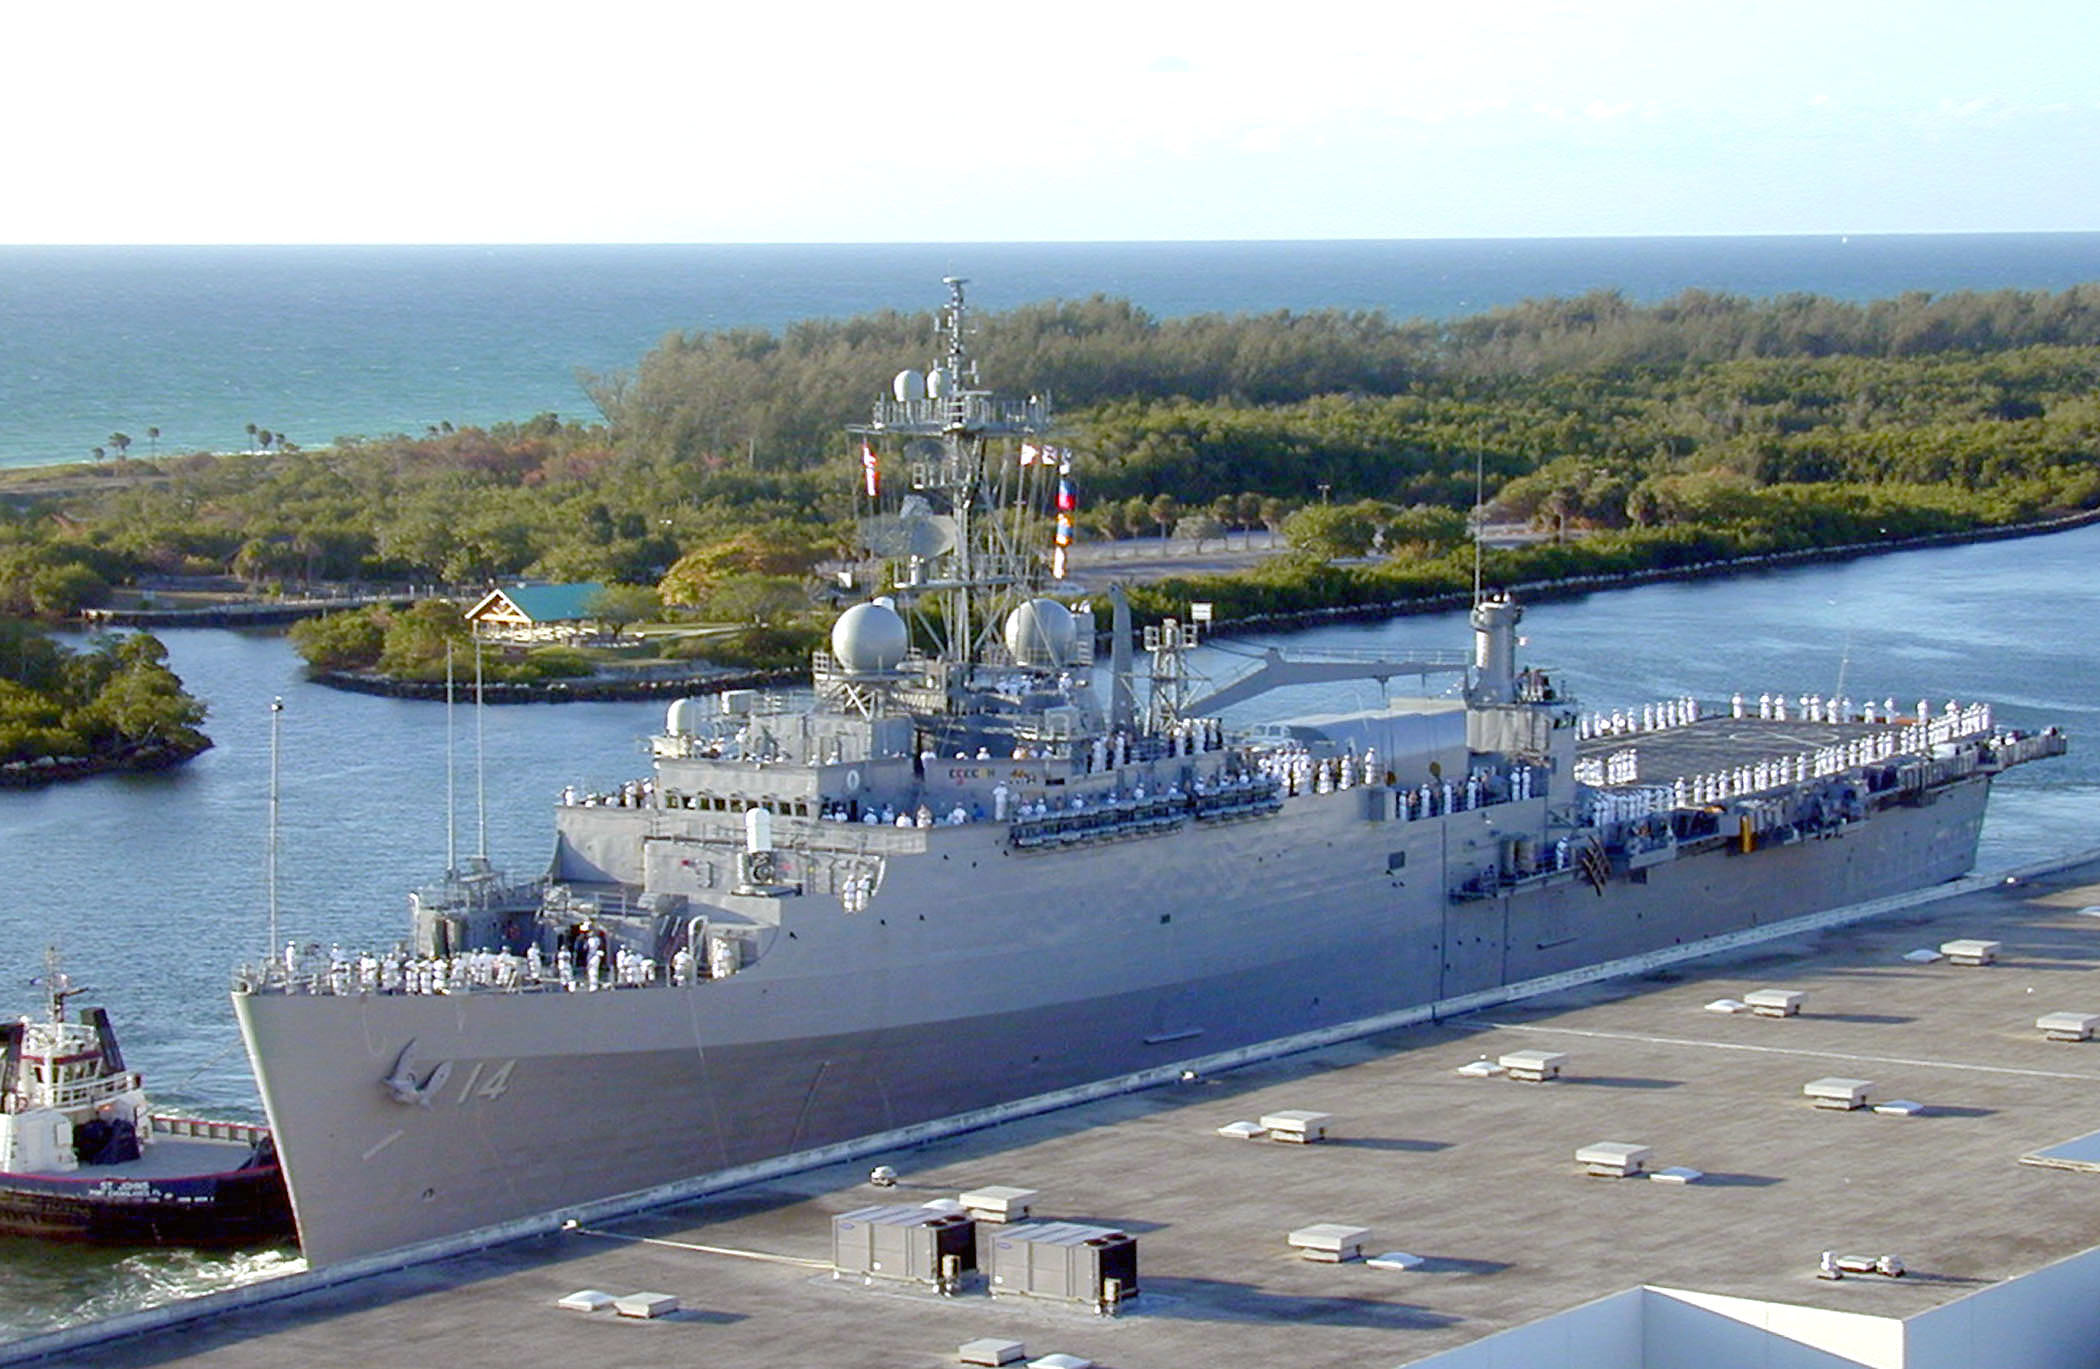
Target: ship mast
x,y
951,550
967,465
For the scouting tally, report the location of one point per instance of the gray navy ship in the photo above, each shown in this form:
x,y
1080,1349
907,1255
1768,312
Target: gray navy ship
x,y
975,869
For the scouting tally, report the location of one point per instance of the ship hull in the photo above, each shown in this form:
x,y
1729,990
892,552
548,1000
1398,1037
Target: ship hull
x,y
108,1207
1157,952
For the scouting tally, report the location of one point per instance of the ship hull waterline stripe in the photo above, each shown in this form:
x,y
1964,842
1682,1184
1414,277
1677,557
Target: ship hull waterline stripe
x,y
209,1305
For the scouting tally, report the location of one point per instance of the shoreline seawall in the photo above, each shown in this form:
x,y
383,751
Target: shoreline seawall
x,y
581,690
53,769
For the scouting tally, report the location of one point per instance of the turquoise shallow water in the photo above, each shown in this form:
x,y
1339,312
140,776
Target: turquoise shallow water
x,y
319,342
154,883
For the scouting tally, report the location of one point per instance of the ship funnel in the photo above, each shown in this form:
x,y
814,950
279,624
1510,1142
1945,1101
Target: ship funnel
x,y
758,830
1495,651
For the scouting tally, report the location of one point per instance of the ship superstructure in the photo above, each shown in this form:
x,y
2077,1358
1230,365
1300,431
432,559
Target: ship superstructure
x,y
977,868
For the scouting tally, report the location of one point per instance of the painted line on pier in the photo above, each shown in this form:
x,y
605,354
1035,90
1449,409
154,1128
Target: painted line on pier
x,y
730,1251
1786,1050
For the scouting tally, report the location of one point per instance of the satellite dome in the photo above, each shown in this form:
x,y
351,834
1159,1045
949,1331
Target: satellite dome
x,y
937,383
1041,632
678,722
908,386
869,639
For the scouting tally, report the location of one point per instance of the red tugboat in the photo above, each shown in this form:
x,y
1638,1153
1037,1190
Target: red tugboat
x,y
82,1158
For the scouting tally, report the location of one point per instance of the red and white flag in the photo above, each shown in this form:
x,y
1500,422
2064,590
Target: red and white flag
x,y
868,468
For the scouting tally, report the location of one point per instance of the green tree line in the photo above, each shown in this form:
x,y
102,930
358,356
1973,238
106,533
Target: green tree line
x,y
720,469
116,701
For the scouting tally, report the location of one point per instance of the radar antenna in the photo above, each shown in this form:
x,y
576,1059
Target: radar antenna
x,y
1170,642
953,544
58,986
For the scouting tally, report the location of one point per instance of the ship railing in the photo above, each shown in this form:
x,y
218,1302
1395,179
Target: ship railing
x,y
1254,796
969,409
987,567
86,1092
206,1129
612,901
481,894
2017,749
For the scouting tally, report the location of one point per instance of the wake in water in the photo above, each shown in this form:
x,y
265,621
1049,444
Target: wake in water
x,y
51,1287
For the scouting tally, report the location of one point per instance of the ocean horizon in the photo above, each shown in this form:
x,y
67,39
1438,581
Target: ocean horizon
x,y
321,342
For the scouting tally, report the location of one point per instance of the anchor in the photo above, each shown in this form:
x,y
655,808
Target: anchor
x,y
401,1083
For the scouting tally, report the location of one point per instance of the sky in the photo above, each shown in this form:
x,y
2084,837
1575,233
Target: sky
x,y
224,121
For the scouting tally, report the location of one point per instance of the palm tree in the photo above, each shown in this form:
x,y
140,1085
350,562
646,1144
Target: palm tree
x,y
251,436
1165,508
99,453
122,442
153,441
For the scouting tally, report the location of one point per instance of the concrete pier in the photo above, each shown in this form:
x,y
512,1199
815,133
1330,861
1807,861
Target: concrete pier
x,y
1466,1172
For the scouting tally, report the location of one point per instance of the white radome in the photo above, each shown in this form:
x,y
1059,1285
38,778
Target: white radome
x,y
1041,632
870,639
908,386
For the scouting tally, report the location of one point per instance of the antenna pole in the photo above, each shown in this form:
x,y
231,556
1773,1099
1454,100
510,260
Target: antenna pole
x,y
451,786
481,796
954,406
1479,511
270,847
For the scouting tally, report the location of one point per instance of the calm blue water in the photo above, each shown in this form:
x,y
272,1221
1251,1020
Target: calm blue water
x,y
154,883
319,342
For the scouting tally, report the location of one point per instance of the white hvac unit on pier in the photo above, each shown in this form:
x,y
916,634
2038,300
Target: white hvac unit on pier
x,y
2067,1026
1613,1159
999,1203
1971,951
1842,1095
1534,1067
1330,1242
1297,1125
